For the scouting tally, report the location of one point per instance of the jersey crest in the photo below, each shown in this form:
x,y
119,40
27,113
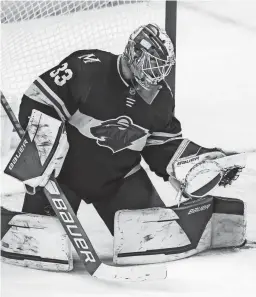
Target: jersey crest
x,y
119,134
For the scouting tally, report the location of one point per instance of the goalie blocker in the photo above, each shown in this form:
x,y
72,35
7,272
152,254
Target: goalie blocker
x,y
25,237
41,151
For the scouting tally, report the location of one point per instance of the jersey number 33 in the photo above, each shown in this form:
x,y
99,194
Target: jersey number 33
x,y
62,74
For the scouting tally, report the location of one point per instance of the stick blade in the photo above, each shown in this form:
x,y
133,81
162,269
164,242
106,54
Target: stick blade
x,y
131,273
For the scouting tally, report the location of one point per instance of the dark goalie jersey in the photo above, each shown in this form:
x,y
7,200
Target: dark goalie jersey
x,y
108,125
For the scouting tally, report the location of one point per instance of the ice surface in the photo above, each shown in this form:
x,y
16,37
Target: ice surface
x,y
216,103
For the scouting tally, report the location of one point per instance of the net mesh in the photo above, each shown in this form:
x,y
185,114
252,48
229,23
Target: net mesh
x,y
37,35
15,11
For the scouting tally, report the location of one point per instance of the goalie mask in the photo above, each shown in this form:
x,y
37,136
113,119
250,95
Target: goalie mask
x,y
150,56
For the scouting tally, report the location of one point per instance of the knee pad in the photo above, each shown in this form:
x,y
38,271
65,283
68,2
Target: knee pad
x,y
35,241
228,222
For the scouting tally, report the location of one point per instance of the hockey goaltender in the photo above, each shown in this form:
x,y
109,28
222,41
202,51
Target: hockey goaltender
x,y
88,121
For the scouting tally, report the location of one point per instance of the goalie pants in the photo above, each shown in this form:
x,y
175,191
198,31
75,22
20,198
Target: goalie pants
x,y
136,192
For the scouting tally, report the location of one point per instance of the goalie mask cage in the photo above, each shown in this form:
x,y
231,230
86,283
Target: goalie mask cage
x,y
37,35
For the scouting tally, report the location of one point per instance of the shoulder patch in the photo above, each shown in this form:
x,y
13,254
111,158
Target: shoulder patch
x,y
89,58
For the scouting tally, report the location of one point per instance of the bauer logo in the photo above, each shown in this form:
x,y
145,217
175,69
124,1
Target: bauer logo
x,y
79,242
119,134
18,154
199,208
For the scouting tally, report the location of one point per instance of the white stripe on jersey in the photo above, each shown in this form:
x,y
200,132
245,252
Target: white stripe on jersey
x,y
55,96
160,142
158,138
34,93
164,134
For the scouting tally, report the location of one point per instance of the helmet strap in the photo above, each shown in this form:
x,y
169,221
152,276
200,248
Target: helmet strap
x,y
125,68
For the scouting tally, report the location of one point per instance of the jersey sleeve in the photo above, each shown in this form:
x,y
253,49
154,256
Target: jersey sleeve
x,y
59,91
162,145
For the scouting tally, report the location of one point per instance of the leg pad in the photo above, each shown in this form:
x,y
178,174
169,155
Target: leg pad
x,y
35,241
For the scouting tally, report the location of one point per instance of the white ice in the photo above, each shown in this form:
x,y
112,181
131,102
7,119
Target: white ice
x,y
216,103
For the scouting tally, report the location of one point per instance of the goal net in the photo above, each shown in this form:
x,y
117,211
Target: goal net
x,y
36,35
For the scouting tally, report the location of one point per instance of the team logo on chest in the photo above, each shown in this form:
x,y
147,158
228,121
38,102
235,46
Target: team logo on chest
x,y
119,134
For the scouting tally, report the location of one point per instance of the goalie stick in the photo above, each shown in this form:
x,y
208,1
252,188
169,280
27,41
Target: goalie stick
x,y
79,238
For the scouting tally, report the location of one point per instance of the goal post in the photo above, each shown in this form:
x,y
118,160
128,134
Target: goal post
x,y
171,29
36,35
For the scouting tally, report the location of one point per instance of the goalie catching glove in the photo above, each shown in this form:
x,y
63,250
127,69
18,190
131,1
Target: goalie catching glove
x,y
195,171
40,152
